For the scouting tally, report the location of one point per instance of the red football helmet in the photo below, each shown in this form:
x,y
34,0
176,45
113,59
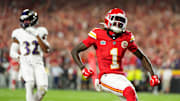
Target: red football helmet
x,y
116,20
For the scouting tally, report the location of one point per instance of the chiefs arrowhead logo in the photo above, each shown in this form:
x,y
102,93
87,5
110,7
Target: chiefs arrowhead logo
x,y
124,44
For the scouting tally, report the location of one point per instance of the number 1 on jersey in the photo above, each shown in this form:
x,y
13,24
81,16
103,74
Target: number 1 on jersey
x,y
114,53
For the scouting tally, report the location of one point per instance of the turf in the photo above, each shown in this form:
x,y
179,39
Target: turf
x,y
70,95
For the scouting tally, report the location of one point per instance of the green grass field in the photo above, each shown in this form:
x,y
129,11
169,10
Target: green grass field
x,y
69,95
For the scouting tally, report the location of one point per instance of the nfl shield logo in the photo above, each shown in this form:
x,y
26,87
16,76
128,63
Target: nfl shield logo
x,y
102,42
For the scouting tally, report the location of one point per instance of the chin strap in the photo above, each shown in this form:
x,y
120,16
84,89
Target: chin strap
x,y
115,35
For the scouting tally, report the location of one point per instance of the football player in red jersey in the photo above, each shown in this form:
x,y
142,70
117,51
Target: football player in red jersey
x,y
111,43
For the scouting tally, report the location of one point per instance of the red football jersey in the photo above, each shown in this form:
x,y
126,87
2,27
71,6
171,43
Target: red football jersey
x,y
110,50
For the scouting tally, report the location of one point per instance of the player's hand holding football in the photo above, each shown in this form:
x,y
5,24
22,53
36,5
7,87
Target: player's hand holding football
x,y
154,80
86,73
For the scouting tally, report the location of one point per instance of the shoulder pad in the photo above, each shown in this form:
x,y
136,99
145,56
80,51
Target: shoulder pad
x,y
93,33
16,32
96,30
42,30
131,36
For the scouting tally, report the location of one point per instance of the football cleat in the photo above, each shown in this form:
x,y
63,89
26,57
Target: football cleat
x,y
116,20
28,18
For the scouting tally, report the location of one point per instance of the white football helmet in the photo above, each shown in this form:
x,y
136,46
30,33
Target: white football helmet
x,y
116,20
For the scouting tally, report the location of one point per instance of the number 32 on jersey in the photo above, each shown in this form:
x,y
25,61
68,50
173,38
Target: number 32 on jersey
x,y
114,53
34,51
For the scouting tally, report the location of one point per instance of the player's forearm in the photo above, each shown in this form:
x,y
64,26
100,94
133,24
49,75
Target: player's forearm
x,y
145,61
44,47
147,64
77,60
75,54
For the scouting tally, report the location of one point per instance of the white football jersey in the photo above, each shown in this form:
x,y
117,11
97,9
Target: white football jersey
x,y
30,50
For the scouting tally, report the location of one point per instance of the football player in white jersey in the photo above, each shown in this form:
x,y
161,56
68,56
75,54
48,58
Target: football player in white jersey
x,y
29,44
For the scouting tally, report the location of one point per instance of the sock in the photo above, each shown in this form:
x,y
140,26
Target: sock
x,y
129,94
13,84
29,91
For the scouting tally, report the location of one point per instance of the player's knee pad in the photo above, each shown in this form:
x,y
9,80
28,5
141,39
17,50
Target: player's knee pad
x,y
129,94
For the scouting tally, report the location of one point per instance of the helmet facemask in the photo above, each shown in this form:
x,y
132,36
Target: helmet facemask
x,y
117,23
28,18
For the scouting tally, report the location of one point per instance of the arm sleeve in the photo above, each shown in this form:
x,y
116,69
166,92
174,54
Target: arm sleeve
x,y
14,50
132,45
91,40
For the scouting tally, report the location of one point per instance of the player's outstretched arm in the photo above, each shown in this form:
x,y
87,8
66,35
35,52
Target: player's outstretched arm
x,y
147,64
144,60
75,54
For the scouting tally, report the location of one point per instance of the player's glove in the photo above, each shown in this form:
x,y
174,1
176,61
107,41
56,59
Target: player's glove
x,y
86,73
154,80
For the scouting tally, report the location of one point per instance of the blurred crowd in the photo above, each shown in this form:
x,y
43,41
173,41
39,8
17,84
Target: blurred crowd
x,y
154,23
